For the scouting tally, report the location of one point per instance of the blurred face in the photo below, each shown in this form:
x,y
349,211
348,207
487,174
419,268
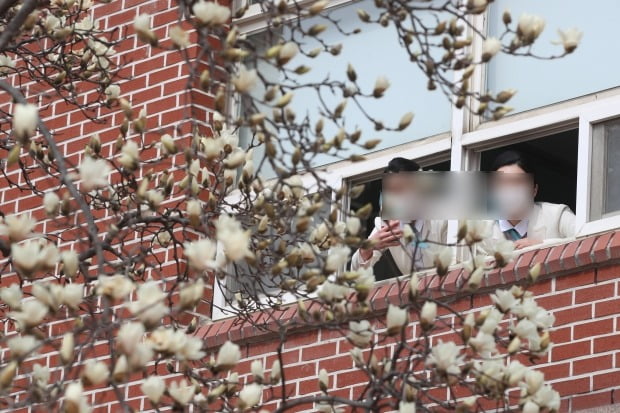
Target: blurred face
x,y
397,195
513,191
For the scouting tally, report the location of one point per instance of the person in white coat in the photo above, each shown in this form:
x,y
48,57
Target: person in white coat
x,y
526,222
388,239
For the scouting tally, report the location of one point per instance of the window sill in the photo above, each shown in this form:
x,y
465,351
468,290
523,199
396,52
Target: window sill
x,y
556,260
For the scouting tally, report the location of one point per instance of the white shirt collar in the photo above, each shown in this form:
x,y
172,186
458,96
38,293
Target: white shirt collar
x,y
521,227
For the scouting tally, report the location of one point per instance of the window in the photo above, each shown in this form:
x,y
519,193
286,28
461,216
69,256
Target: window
x,y
541,82
605,183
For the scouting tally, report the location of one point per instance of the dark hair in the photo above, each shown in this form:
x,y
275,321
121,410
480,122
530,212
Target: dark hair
x,y
512,157
401,165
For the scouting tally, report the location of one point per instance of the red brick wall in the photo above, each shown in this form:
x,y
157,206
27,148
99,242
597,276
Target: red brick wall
x,y
580,285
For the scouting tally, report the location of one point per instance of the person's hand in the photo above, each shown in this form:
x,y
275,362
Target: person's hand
x,y
526,242
388,236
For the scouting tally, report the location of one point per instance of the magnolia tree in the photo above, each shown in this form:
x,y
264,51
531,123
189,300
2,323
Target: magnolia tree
x,y
97,262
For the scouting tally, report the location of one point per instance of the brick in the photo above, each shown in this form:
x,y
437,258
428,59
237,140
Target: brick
x,y
594,328
573,280
318,352
602,344
588,401
572,315
595,293
572,386
608,273
584,253
592,364
605,380
567,351
607,307
599,250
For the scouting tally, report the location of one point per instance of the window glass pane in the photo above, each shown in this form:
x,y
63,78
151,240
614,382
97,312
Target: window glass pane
x,y
374,52
612,167
591,68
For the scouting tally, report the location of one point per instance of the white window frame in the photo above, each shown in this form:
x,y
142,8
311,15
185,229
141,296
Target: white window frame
x,y
469,136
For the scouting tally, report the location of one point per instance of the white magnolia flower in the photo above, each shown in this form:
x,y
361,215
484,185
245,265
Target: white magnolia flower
x,y
547,398
12,296
182,392
142,25
397,318
95,372
530,27
428,313
525,329
534,380
337,257
288,51
25,120
491,321
179,37
235,159
228,356
112,92
149,307
360,333
258,371
31,315
490,48
569,39
381,85
276,372
191,293
153,388
70,263
6,64
250,395
201,254
51,203
94,173
67,348
25,257
515,372
477,231
354,225
21,346
17,228
115,286
209,12
129,335
442,259
245,80
48,294
406,407
504,300
445,357
235,240
130,154
331,292
142,355
72,295
75,400
323,380
167,144
502,250
530,407
40,375
484,344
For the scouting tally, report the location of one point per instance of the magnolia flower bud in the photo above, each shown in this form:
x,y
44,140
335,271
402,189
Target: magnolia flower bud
x,y
323,380
190,294
534,272
153,388
7,374
25,119
428,314
168,144
490,48
112,93
284,100
51,203
381,85
475,278
257,371
397,319
414,286
288,51
67,348
142,25
514,346
406,407
179,37
317,7
405,121
276,372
